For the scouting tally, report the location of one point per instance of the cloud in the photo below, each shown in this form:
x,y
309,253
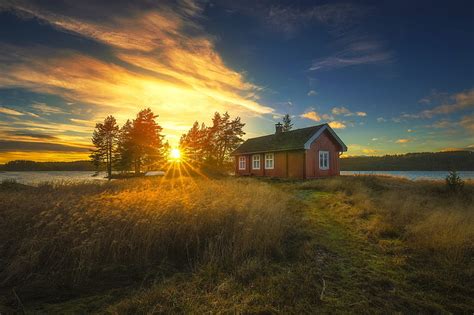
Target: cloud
x,y
375,139
27,134
312,93
47,109
381,119
403,141
7,146
358,51
8,111
312,115
337,18
467,122
160,57
340,111
337,125
344,111
458,102
327,117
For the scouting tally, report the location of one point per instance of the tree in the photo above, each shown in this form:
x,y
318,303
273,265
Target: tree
x,y
124,152
287,124
104,139
213,145
146,140
192,143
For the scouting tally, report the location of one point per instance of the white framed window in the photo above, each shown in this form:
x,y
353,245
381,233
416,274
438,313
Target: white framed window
x,y
256,162
269,161
324,160
242,162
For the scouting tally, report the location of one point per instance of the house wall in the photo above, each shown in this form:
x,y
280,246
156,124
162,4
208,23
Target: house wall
x,y
293,169
325,142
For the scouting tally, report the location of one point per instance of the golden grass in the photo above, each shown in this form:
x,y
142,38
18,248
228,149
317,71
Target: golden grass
x,y
67,233
423,214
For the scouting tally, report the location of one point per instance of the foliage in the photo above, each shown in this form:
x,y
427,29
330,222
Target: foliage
x,y
454,183
428,161
104,139
287,124
136,145
146,141
213,145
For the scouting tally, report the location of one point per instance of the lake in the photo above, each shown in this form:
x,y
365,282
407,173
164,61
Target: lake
x,y
34,178
413,175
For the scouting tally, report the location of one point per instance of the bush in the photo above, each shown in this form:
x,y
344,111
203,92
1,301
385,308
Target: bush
x,y
454,183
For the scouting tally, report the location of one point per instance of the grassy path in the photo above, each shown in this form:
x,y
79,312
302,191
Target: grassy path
x,y
359,276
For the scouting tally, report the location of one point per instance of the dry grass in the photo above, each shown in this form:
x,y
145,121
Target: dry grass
x,y
68,233
423,214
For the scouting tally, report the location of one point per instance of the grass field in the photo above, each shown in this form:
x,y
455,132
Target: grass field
x,y
186,245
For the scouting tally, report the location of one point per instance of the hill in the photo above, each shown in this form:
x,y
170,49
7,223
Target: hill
x,y
427,161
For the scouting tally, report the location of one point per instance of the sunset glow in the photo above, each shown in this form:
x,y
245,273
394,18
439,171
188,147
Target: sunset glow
x,y
66,67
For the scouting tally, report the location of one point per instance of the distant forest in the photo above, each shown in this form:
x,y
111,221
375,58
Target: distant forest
x,y
23,165
430,161
439,161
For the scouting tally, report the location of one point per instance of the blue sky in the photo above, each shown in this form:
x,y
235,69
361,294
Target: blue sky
x,y
389,77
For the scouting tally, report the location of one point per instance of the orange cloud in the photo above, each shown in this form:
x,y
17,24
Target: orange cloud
x,y
312,115
180,76
337,125
403,141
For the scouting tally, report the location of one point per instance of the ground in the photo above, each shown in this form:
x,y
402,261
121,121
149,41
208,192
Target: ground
x,y
328,263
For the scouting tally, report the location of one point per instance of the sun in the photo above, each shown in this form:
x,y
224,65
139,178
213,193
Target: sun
x,y
175,154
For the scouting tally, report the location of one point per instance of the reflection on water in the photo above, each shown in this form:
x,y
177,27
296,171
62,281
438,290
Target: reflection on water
x,y
34,178
413,175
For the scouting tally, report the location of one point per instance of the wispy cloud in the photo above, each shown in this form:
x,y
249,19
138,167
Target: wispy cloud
x,y
312,93
8,111
336,17
161,58
457,102
356,52
346,112
47,109
467,122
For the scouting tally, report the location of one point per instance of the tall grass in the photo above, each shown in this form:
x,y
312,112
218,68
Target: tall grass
x,y
68,233
424,214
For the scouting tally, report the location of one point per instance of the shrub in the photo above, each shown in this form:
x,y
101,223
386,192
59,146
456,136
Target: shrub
x,y
454,183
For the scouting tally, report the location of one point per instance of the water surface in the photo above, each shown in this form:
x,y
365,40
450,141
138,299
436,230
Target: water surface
x,y
413,175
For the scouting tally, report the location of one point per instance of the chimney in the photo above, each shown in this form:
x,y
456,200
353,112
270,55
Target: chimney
x,y
278,128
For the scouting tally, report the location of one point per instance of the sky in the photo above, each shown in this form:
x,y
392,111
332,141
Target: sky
x,y
388,76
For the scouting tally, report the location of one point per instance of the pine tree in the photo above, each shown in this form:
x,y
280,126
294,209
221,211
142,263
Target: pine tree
x,y
287,124
124,152
146,140
104,139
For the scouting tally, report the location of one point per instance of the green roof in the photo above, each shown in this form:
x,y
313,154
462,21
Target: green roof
x,y
283,141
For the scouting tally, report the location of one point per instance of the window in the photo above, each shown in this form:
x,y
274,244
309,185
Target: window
x,y
323,160
269,157
256,162
242,163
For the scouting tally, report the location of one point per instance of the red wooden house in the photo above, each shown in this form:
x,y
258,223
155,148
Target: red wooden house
x,y
301,153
